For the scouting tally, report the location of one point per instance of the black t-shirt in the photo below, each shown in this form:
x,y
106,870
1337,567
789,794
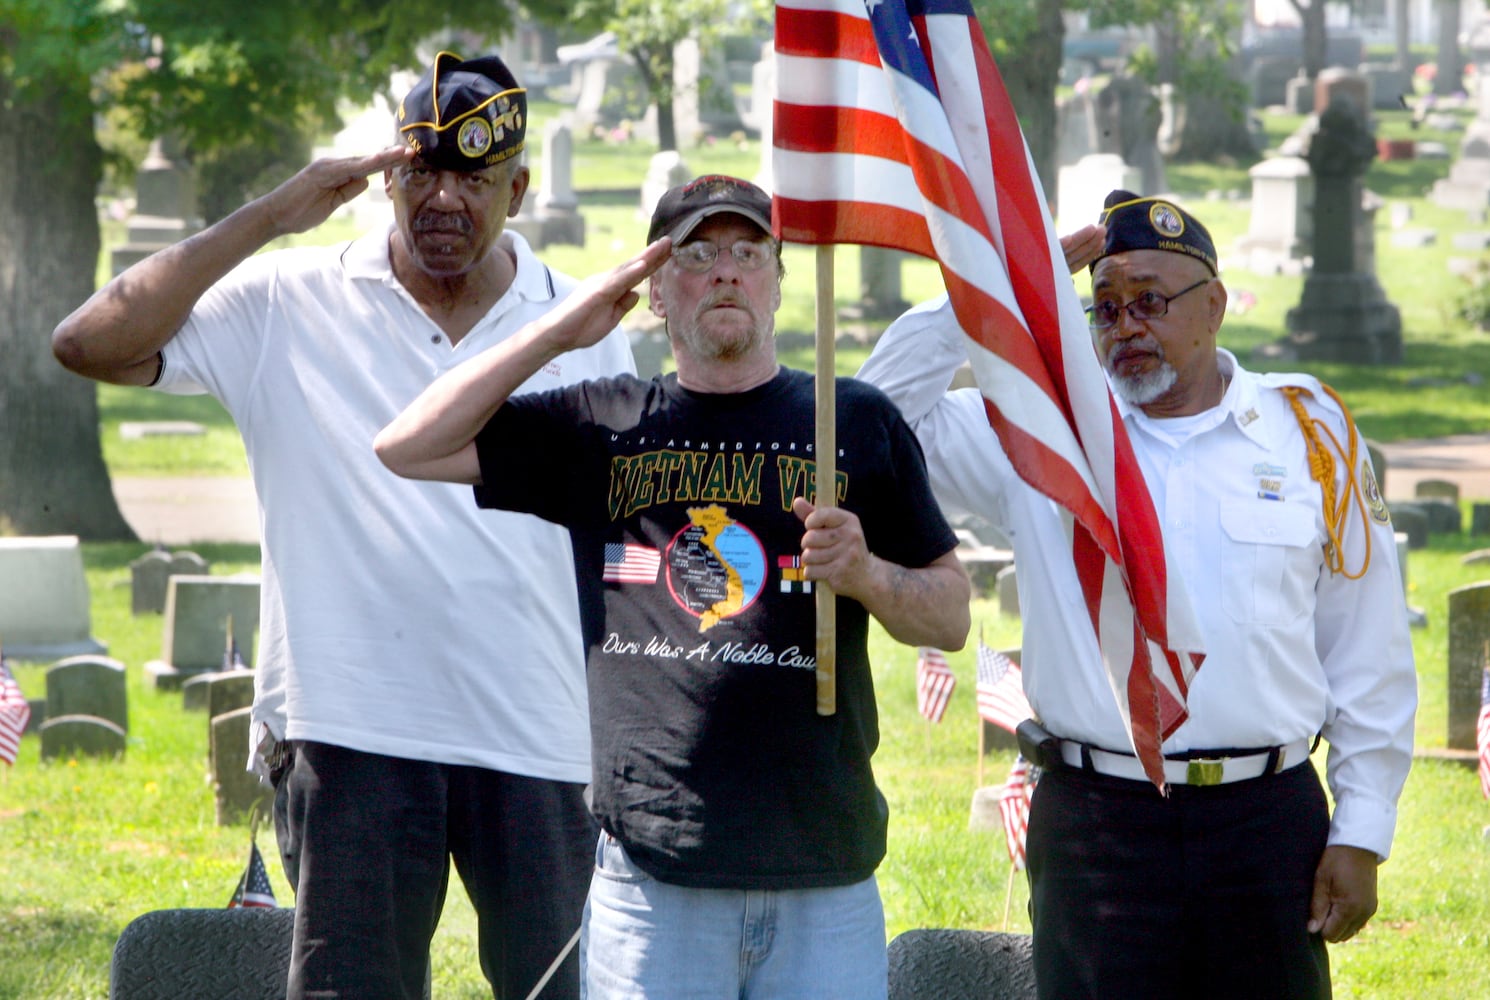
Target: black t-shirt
x,y
711,764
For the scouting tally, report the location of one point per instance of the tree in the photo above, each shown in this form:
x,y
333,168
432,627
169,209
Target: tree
x,y
1316,35
213,74
1026,40
647,31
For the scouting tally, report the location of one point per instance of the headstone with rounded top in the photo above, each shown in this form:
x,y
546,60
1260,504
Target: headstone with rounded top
x,y
150,573
88,686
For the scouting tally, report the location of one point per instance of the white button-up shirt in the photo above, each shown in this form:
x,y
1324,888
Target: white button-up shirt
x,y
1292,649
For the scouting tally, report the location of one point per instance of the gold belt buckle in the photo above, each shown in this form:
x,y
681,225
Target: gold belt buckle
x,y
1204,771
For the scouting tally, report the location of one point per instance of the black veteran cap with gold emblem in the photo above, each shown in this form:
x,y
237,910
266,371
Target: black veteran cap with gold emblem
x,y
1135,223
464,114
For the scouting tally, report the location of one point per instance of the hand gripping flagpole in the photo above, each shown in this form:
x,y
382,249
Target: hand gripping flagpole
x,y
826,493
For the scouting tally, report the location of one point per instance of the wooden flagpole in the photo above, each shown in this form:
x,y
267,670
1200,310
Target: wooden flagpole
x,y
826,493
1008,894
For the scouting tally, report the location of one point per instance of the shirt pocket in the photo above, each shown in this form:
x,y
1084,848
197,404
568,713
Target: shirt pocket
x,y
1270,559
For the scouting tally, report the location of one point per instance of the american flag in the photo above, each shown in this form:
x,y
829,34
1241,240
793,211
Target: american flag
x,y
1001,698
15,712
1014,807
253,889
232,657
1482,732
874,145
934,683
630,563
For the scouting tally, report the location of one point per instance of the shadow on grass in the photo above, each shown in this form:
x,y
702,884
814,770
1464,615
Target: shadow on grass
x,y
55,941
118,555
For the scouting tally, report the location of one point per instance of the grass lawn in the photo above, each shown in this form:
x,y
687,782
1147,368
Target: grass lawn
x,y
86,846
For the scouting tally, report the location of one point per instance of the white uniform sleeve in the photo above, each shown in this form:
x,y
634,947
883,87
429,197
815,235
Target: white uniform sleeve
x,y
913,363
1361,634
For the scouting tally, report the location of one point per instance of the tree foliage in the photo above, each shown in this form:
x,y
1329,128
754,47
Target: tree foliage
x,y
647,32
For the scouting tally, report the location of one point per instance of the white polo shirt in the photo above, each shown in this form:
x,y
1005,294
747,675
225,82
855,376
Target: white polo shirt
x,y
1291,649
397,618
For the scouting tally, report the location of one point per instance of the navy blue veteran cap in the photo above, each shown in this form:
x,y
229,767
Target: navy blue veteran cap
x,y
464,115
685,206
1135,223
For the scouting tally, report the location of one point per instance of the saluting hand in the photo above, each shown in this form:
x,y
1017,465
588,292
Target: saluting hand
x,y
1082,246
308,199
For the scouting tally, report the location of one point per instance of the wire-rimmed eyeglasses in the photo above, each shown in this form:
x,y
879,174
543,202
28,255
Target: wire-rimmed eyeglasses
x,y
699,256
1147,304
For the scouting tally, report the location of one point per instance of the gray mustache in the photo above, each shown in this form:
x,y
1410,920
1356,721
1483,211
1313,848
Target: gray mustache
x,y
439,222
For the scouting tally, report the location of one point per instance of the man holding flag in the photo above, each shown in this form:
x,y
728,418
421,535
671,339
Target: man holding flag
x,y
741,826
1230,884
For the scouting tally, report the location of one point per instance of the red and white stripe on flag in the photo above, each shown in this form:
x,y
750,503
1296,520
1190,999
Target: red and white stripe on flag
x,y
1014,809
892,127
1001,698
934,683
1482,732
15,712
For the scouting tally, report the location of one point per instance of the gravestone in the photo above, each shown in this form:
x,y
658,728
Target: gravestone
x,y
552,216
1298,95
149,574
44,602
1469,639
165,205
1479,518
198,609
1008,591
80,736
1467,186
1075,129
1268,78
218,691
1343,314
1390,84
763,113
664,170
88,686
1083,185
1412,521
237,790
1280,229
1441,489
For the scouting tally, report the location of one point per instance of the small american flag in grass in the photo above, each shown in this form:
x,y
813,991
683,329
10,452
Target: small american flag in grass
x,y
934,683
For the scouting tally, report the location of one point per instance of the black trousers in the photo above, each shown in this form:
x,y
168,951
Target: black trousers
x,y
1203,895
372,839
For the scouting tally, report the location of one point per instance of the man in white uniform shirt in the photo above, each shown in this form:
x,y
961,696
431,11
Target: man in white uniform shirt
x,y
421,692
1231,885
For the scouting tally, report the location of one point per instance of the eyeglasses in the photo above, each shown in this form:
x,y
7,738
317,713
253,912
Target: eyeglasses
x,y
1147,305
700,255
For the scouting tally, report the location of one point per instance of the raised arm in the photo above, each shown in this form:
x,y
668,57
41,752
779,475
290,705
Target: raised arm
x,y
927,606
434,438
116,335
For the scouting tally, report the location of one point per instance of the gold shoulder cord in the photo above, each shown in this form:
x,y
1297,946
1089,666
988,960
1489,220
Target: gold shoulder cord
x,y
1322,469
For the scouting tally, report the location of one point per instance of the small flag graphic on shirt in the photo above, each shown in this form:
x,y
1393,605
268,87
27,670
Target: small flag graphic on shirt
x,y
15,712
793,575
253,888
934,683
1483,732
1014,807
1001,698
630,563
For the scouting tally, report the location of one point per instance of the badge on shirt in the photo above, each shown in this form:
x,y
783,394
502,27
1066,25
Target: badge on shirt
x,y
1374,498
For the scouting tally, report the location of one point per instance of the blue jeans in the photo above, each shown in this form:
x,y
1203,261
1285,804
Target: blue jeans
x,y
645,938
